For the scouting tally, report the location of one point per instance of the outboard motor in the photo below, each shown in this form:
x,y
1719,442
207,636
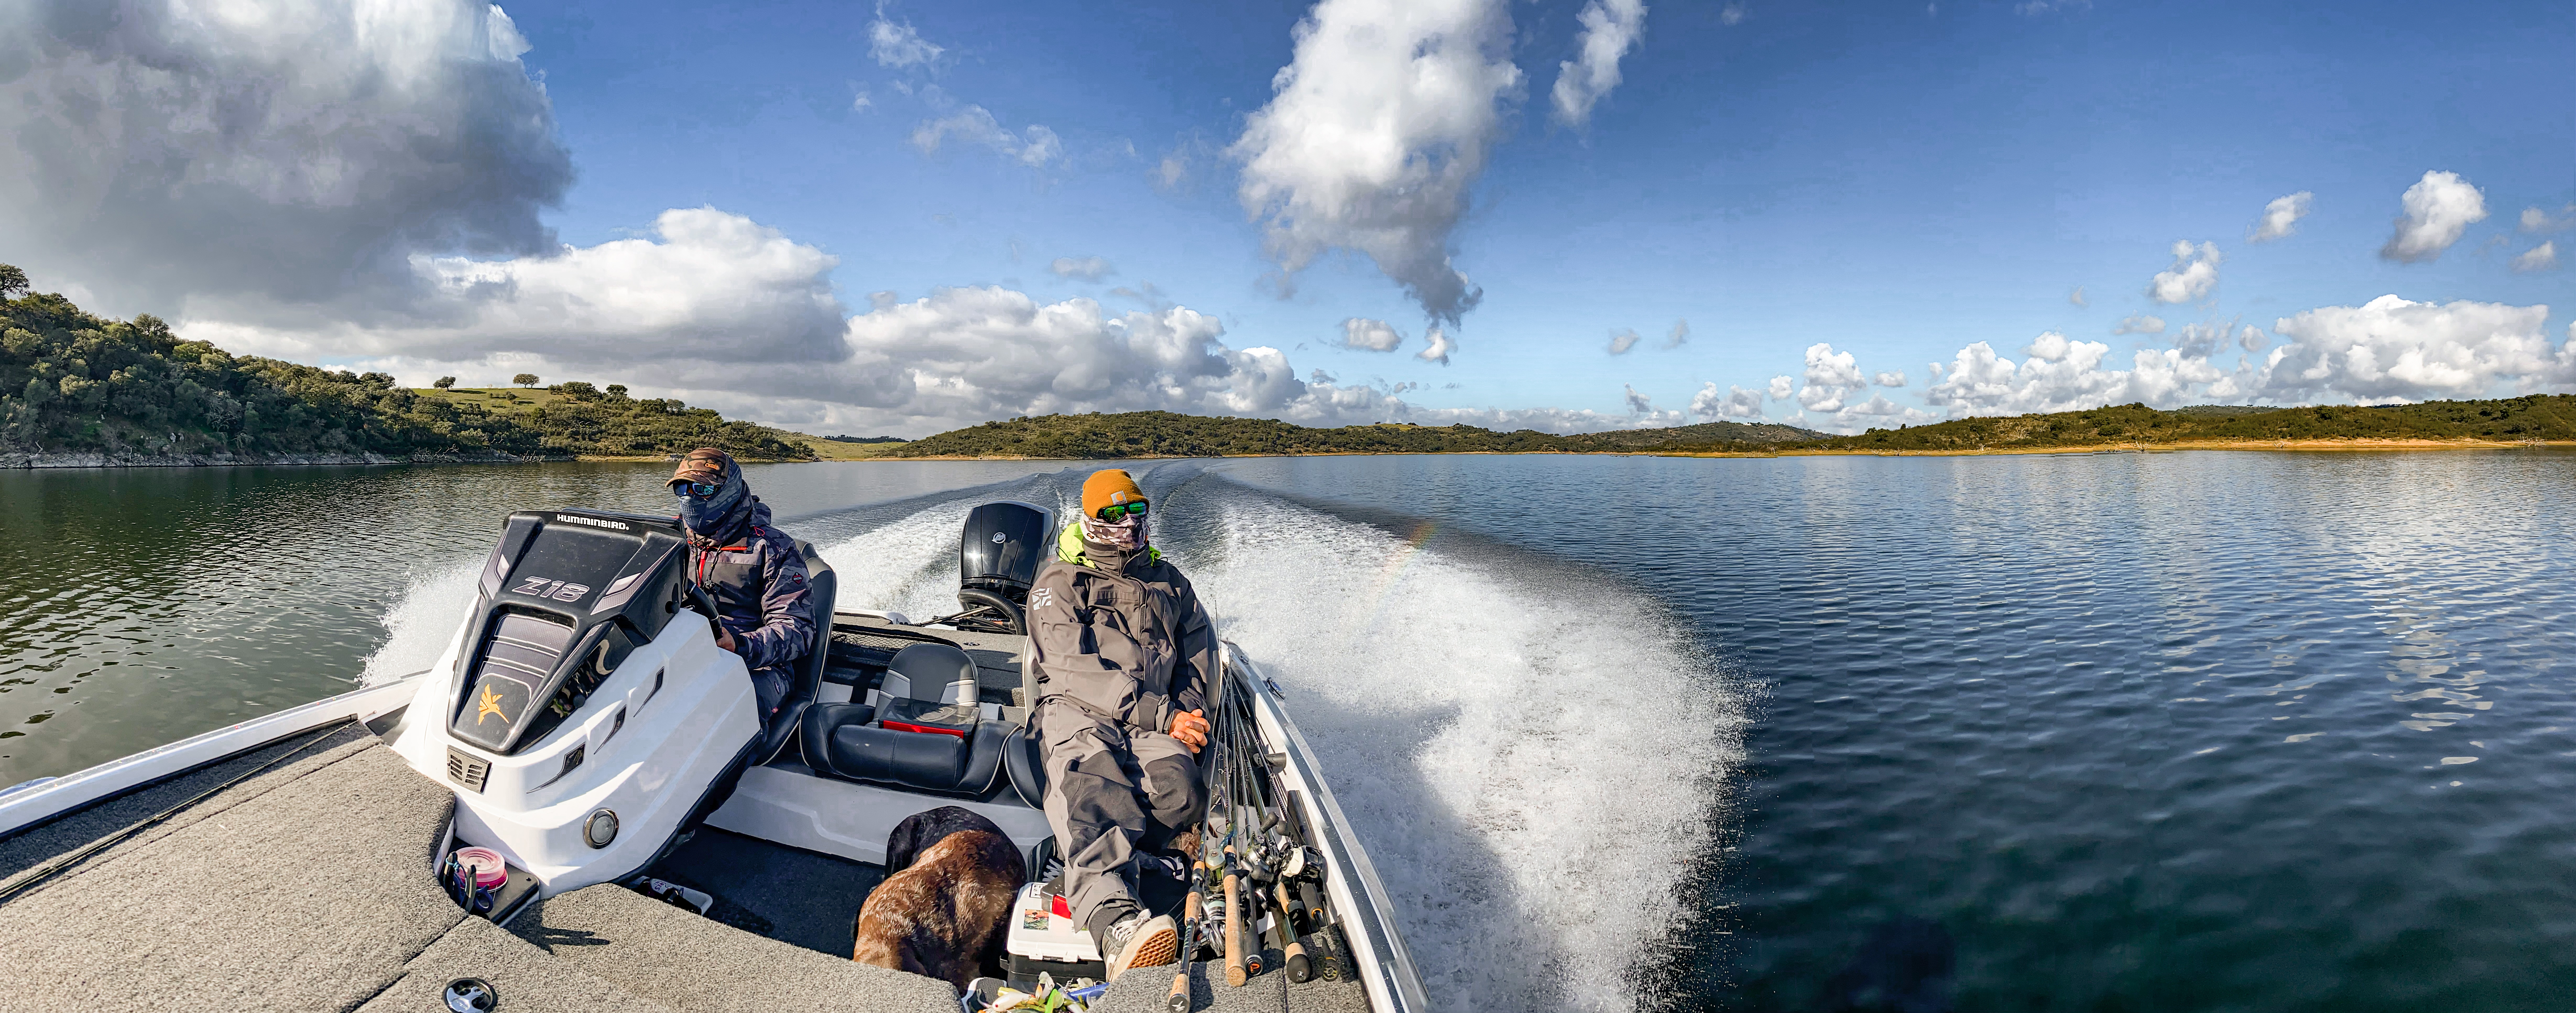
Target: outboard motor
x,y
583,711
997,559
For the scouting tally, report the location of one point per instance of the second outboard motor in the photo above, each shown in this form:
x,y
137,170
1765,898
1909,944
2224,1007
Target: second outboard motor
x,y
997,559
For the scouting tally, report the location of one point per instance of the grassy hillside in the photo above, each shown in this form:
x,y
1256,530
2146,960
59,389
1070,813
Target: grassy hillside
x,y
580,419
1165,434
2508,420
75,383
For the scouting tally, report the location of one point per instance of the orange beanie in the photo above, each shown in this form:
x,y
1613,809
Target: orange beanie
x,y
1108,486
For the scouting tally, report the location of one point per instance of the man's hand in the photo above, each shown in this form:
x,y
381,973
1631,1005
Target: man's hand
x,y
724,639
1189,727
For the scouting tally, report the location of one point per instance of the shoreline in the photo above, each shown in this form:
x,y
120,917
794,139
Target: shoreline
x,y
2320,444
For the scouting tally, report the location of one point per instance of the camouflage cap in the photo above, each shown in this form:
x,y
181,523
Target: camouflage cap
x,y
705,464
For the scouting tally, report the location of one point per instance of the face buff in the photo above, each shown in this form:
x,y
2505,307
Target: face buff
x,y
705,517
1124,535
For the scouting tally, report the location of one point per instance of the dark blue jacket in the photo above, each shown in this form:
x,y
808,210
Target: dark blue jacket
x,y
762,593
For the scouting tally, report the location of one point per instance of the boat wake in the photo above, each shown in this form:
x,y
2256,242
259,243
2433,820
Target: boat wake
x,y
1534,757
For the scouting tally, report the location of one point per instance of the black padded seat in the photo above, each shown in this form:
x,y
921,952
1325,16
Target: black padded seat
x,y
806,678
907,741
1025,763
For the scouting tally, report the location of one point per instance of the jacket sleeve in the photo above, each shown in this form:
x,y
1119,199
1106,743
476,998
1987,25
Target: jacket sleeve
x,y
1197,670
786,630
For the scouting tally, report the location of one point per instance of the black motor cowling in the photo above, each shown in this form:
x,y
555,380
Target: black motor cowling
x,y
998,556
563,598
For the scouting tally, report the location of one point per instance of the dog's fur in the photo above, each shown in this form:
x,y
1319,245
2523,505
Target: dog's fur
x,y
945,907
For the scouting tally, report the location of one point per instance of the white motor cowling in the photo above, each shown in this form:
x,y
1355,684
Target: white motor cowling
x,y
583,712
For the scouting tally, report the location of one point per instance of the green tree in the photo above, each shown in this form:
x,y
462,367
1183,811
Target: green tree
x,y
444,382
617,390
525,379
13,282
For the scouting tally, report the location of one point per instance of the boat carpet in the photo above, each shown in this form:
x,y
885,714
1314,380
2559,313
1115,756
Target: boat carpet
x,y
671,955
1145,990
43,843
788,894
311,890
523,977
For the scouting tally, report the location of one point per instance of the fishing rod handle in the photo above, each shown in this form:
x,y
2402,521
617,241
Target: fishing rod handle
x,y
1234,966
1300,969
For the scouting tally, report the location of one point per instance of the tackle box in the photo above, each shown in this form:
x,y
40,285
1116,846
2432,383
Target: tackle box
x,y
1044,939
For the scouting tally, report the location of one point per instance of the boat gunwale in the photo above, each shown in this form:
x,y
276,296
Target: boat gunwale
x,y
1394,981
22,808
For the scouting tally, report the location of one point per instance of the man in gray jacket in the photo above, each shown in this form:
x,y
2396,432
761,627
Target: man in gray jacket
x,y
1124,658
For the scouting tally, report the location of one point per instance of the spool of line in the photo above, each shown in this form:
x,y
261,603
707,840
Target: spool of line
x,y
489,870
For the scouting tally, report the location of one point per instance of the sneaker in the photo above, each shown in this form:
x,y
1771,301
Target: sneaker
x,y
1138,941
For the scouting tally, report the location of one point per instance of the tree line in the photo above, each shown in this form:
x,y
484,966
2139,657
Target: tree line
x,y
74,382
1169,434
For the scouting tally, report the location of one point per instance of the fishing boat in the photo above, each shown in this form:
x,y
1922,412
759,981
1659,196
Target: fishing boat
x,y
577,808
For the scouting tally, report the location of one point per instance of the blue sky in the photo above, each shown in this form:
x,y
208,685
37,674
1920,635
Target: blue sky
x,y
1898,181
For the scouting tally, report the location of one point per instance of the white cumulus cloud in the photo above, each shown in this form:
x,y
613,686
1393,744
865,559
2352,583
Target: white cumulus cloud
x,y
1034,147
898,45
713,288
1442,345
2390,349
2536,220
2543,257
1889,378
1734,403
1082,268
1779,388
1610,30
2435,212
1831,377
1364,334
2193,274
2281,217
162,156
1377,128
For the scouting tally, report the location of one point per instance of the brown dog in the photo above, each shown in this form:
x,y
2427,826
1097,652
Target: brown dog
x,y
944,912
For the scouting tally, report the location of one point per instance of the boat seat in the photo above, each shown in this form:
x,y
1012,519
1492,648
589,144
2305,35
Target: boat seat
x,y
910,738
805,675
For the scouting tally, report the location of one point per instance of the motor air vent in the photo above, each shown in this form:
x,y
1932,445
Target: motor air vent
x,y
465,770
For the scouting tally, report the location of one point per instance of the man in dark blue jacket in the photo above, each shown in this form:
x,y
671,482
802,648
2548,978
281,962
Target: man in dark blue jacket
x,y
764,601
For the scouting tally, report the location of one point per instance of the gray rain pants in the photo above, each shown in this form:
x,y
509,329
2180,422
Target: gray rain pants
x,y
1112,793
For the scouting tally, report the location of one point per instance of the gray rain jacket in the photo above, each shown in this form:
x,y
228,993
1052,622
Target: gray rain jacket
x,y
1119,634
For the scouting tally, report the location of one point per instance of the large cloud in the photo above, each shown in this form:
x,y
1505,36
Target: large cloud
x,y
2389,349
292,151
717,288
2435,212
1380,124
2064,375
729,313
1610,30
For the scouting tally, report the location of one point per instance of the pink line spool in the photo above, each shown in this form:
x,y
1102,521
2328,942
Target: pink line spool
x,y
489,871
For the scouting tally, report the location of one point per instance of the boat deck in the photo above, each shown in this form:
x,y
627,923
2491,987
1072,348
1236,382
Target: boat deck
x,y
310,885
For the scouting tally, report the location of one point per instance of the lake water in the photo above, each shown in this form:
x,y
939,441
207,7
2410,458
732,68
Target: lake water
x,y
2198,731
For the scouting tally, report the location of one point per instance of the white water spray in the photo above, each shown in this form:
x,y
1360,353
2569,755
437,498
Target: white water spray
x,y
1535,824
423,620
